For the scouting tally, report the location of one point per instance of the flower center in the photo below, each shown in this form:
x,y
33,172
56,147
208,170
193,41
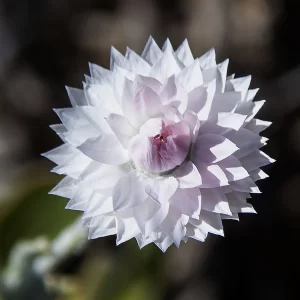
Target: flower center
x,y
161,145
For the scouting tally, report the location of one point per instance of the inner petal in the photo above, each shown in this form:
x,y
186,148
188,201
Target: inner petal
x,y
160,146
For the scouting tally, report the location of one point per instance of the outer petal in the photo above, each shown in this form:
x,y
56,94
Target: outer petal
x,y
104,148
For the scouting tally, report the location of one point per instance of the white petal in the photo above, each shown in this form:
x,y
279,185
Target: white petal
x,y
121,127
102,226
231,120
134,63
184,53
257,126
190,77
65,188
72,118
212,148
205,110
188,175
102,95
238,203
173,227
160,190
61,154
225,102
245,140
251,94
196,233
156,219
141,105
211,222
258,174
245,185
233,168
80,199
77,97
152,52
212,175
208,60
165,67
127,228
100,74
192,120
129,192
164,243
256,160
115,58
187,201
104,148
167,47
74,166
241,85
197,99
214,200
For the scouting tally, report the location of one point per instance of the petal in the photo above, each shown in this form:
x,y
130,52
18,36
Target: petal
x,y
122,128
190,77
197,99
208,60
156,219
129,192
102,95
212,148
101,226
136,64
245,140
205,110
212,175
127,227
188,176
233,168
141,105
245,185
173,227
258,174
116,58
165,67
257,126
160,190
214,200
239,85
238,203
231,120
184,53
104,148
187,201
61,154
65,188
74,166
152,52
77,97
100,74
225,102
167,46
192,120
255,160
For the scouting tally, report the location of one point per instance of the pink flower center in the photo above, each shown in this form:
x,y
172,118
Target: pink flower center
x,y
161,152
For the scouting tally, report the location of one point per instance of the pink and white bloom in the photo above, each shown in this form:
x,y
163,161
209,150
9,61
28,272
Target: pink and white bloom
x,y
161,148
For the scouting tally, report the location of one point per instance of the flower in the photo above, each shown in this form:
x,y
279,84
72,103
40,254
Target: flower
x,y
162,147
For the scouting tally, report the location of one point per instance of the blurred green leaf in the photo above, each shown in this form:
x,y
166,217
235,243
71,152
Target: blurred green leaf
x,y
33,211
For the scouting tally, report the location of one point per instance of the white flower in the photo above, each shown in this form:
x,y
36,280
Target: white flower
x,y
161,147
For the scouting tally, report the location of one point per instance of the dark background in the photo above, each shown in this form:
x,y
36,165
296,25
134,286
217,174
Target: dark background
x,y
46,44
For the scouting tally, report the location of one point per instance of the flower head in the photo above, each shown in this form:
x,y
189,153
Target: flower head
x,y
161,147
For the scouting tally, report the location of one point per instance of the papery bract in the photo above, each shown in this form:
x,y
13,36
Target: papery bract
x,y
161,147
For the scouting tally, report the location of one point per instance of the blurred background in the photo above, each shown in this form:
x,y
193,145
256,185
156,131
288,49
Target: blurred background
x,y
47,44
